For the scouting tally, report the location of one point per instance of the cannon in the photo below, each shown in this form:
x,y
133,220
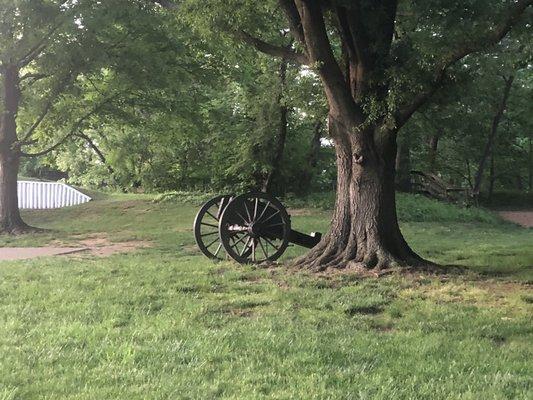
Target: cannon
x,y
250,228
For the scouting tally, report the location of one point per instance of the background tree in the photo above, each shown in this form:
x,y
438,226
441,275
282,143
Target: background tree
x,y
44,47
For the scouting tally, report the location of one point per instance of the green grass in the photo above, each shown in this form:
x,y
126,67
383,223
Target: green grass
x,y
165,323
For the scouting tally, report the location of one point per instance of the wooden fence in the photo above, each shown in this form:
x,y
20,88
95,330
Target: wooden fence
x,y
35,195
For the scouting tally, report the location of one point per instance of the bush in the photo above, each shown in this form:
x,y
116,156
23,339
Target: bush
x,y
410,208
509,200
418,208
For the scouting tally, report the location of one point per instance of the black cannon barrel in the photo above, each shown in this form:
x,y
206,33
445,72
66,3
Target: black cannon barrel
x,y
304,240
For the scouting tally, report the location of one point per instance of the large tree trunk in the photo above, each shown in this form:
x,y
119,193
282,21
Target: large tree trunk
x,y
364,231
10,220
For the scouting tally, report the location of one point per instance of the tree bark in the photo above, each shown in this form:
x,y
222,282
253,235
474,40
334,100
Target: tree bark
x,y
10,219
364,232
492,135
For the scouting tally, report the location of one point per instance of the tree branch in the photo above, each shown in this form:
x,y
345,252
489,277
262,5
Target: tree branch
x,y
95,148
47,107
295,23
74,129
277,51
322,57
491,38
38,121
35,77
37,49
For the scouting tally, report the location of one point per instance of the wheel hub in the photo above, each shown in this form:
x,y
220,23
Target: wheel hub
x,y
254,230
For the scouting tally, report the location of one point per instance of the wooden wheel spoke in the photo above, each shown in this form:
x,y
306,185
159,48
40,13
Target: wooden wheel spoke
x,y
239,214
255,207
270,243
263,248
212,216
209,234
238,241
245,246
218,249
210,244
271,216
206,224
264,210
253,250
247,211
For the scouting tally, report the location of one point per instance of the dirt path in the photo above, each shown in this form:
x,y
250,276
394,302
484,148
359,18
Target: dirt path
x,y
524,218
24,253
94,245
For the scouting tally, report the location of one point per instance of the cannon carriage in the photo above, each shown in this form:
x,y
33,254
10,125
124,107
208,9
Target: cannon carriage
x,y
249,228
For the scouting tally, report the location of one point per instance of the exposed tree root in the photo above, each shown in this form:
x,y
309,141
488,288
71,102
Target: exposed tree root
x,y
20,229
366,260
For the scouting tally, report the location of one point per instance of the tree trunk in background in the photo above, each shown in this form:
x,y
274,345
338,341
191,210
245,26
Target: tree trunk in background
x,y
10,220
432,152
403,165
492,135
312,158
433,143
314,150
281,138
530,177
492,176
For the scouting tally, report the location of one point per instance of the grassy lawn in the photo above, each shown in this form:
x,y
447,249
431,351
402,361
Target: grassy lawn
x,y
166,323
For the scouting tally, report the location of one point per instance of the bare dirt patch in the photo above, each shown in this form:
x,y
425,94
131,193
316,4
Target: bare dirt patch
x,y
95,245
25,253
524,218
100,245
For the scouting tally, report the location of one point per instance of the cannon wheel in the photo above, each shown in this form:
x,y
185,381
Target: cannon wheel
x,y
254,228
206,227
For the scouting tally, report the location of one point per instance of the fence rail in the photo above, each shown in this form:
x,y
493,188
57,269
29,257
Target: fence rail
x,y
36,195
